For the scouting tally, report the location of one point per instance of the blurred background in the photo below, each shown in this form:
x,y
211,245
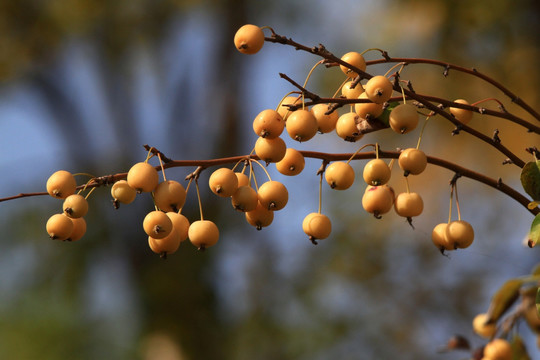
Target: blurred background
x,y
85,83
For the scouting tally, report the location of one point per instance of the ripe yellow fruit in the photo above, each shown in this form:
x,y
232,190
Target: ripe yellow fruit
x,y
170,195
355,59
75,206
339,175
412,161
61,184
249,39
378,89
180,224
462,115
326,122
483,329
270,150
167,245
157,224
203,234
302,125
79,229
352,93
273,195
346,127
460,233
409,204
59,227
245,199
367,110
260,217
317,226
143,177
243,179
498,349
378,200
122,192
268,123
292,163
438,237
376,172
223,182
403,118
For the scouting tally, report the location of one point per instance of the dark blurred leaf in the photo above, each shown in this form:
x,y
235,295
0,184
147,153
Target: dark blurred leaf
x,y
530,179
503,299
456,342
385,116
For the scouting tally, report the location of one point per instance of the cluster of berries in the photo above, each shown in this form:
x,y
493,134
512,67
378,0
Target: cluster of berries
x,y
303,124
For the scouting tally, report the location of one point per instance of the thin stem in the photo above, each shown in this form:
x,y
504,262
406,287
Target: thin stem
x,y
422,131
162,169
393,67
264,168
87,195
451,200
340,87
320,191
199,197
457,201
359,149
407,184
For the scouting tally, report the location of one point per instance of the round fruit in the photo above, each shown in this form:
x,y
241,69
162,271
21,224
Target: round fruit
x,y
167,245
460,233
203,234
438,236
75,206
243,179
170,195
376,172
289,100
260,217
249,39
483,329
157,224
273,195
325,122
352,93
143,177
412,161
462,115
378,89
180,224
378,200
339,175
270,150
79,229
223,182
408,204
317,226
292,163
122,192
346,127
59,227
368,110
403,118
302,125
61,184
268,123
498,349
355,59
245,199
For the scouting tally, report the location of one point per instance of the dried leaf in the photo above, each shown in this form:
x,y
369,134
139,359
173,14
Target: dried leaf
x,y
503,299
530,179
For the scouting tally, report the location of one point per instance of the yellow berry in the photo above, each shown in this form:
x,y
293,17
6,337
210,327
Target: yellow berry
x,y
325,122
268,123
270,150
378,89
122,192
203,234
317,226
273,195
249,39
483,329
79,229
346,127
412,161
462,115
223,182
403,118
355,59
292,163
368,110
59,227
143,177
302,125
260,217
460,233
376,172
408,204
498,349
157,224
75,206
61,184
339,175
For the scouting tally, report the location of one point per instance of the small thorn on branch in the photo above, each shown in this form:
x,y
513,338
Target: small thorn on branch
x,y
533,150
499,182
507,161
457,130
446,70
386,56
156,152
496,138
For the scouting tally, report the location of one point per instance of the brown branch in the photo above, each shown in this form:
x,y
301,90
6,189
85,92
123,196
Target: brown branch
x,y
326,157
321,51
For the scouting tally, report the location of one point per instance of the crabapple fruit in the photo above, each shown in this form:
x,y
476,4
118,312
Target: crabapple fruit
x,y
61,184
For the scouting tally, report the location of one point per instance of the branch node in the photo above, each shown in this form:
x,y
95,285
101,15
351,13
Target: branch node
x,y
507,161
446,70
455,179
496,138
499,182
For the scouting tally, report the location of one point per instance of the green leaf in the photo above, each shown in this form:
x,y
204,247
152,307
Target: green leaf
x,y
503,299
530,179
534,233
519,351
385,116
